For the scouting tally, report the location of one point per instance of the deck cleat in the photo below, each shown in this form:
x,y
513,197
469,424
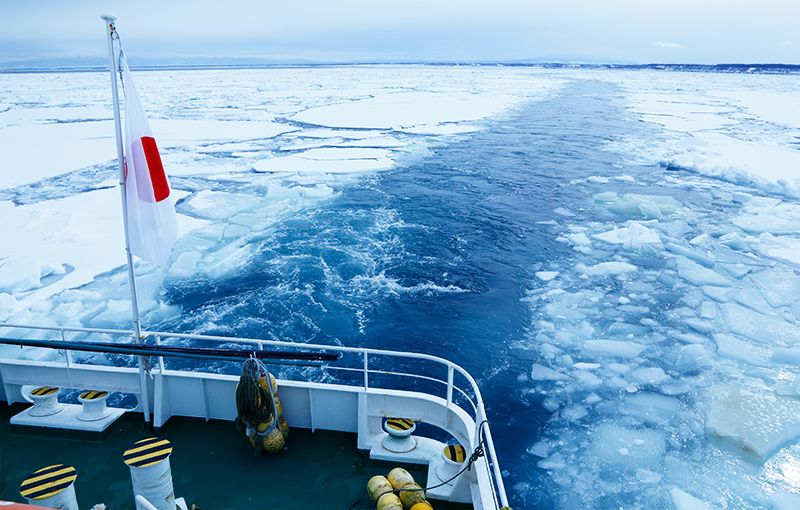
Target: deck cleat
x,y
45,401
399,438
453,457
94,405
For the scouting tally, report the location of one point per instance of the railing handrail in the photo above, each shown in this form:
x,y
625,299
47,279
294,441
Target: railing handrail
x,y
274,343
480,413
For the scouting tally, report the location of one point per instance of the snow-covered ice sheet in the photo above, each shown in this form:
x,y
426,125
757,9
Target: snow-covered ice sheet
x,y
734,127
293,135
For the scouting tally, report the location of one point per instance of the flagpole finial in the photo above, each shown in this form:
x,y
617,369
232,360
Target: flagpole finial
x,y
110,18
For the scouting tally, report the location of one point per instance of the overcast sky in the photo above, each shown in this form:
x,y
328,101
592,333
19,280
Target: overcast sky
x,y
636,31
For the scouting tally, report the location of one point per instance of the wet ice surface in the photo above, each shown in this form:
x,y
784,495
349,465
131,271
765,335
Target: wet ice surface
x,y
660,343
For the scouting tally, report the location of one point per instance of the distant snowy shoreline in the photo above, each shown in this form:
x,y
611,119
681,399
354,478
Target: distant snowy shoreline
x,y
81,67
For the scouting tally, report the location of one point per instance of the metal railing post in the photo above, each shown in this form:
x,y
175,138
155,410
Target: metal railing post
x,y
366,372
160,358
450,372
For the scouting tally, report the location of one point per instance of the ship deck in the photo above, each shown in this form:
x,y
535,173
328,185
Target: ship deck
x,y
213,466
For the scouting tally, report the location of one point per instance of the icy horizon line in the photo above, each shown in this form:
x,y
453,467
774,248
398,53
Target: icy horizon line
x,y
91,64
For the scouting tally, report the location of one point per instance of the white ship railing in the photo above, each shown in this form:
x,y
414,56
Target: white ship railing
x,y
476,408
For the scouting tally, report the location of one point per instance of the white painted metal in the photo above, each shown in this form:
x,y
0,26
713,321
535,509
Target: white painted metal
x,y
154,483
94,410
359,408
64,500
45,405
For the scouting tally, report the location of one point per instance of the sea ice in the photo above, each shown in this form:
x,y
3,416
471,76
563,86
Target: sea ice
x,y
691,254
651,408
615,348
685,501
698,275
402,110
632,237
740,350
542,373
546,276
645,206
780,286
752,298
606,268
769,218
768,329
624,446
754,423
783,500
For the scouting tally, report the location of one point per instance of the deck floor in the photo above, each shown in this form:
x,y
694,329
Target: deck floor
x,y
213,466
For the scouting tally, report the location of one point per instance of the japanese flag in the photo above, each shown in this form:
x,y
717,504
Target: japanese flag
x,y
152,222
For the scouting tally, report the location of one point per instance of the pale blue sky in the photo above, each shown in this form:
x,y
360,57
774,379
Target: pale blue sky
x,y
639,31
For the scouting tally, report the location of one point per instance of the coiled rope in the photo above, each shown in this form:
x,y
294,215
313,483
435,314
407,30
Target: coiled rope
x,y
254,402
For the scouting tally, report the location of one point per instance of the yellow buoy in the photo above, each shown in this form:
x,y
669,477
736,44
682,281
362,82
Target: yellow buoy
x,y
263,382
422,505
399,478
377,487
284,427
273,441
389,502
278,406
411,495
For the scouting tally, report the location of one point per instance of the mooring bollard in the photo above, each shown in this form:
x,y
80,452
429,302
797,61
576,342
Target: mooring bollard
x,y
148,460
51,487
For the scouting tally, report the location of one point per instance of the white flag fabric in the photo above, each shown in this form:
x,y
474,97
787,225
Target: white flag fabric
x,y
152,221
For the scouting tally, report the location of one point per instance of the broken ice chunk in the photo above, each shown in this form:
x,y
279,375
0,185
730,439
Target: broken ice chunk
x,y
784,355
553,462
751,298
648,206
691,254
575,412
699,325
651,408
770,329
542,373
607,268
647,476
737,270
720,295
685,501
781,287
754,424
632,236
693,357
642,447
783,500
614,348
607,197
696,274
734,241
739,350
546,276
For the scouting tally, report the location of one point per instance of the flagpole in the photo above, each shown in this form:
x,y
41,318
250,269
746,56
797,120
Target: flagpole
x,y
110,19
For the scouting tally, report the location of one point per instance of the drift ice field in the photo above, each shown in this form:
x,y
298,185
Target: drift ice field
x,y
615,255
